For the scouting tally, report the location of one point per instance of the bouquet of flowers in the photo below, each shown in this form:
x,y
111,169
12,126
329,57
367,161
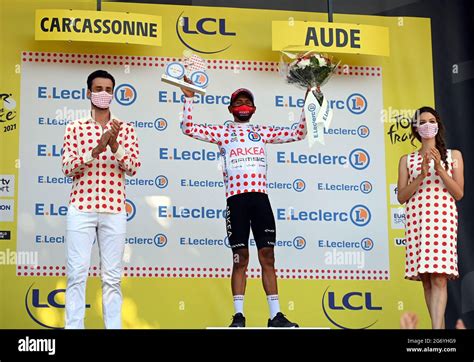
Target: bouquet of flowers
x,y
311,70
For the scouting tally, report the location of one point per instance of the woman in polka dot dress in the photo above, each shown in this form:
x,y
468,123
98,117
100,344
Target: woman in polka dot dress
x,y
430,181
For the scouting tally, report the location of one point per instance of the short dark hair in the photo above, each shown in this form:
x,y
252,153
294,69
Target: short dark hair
x,y
99,74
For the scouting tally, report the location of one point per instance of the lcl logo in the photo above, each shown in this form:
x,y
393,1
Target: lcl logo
x,y
185,27
36,300
341,305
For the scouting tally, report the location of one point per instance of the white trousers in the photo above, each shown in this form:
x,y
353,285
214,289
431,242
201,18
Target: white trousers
x,y
83,228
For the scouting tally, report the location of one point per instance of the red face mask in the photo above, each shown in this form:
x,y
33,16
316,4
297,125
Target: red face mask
x,y
243,112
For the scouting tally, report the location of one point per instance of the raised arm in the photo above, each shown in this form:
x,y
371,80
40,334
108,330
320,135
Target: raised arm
x,y
284,134
200,132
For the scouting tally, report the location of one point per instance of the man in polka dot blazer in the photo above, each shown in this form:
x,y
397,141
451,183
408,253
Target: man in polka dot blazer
x,y
97,153
244,159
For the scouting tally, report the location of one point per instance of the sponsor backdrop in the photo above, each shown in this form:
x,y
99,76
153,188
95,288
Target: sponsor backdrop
x,y
340,245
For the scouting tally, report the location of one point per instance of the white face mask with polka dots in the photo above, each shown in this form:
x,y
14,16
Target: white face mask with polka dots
x,y
428,130
101,99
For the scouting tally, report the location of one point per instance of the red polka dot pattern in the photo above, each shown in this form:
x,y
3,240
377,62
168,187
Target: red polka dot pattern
x,y
242,148
98,184
206,272
431,224
161,62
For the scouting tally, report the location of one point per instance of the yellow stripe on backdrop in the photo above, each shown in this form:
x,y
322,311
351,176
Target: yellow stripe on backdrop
x,y
197,303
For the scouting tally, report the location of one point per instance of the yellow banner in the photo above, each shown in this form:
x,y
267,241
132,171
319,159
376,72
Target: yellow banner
x,y
330,37
98,26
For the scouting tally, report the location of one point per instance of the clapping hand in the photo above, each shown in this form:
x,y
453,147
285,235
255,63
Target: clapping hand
x,y
436,156
114,131
425,165
102,146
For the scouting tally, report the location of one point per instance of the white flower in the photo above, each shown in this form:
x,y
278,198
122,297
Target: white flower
x,y
303,63
321,60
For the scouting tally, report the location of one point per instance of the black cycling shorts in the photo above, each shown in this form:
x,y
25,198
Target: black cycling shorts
x,y
250,210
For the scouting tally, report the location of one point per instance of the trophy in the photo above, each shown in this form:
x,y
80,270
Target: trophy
x,y
194,68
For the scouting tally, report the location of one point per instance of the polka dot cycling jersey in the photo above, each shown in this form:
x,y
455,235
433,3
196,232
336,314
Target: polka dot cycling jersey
x,y
242,148
98,183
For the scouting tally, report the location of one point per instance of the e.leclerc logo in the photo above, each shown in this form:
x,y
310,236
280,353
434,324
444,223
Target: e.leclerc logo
x,y
356,103
130,209
254,136
359,215
358,158
125,94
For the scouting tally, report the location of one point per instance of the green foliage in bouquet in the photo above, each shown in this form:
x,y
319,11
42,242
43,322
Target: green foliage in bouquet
x,y
308,70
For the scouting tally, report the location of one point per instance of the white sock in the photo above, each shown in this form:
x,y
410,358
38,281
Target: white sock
x,y
273,304
239,304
